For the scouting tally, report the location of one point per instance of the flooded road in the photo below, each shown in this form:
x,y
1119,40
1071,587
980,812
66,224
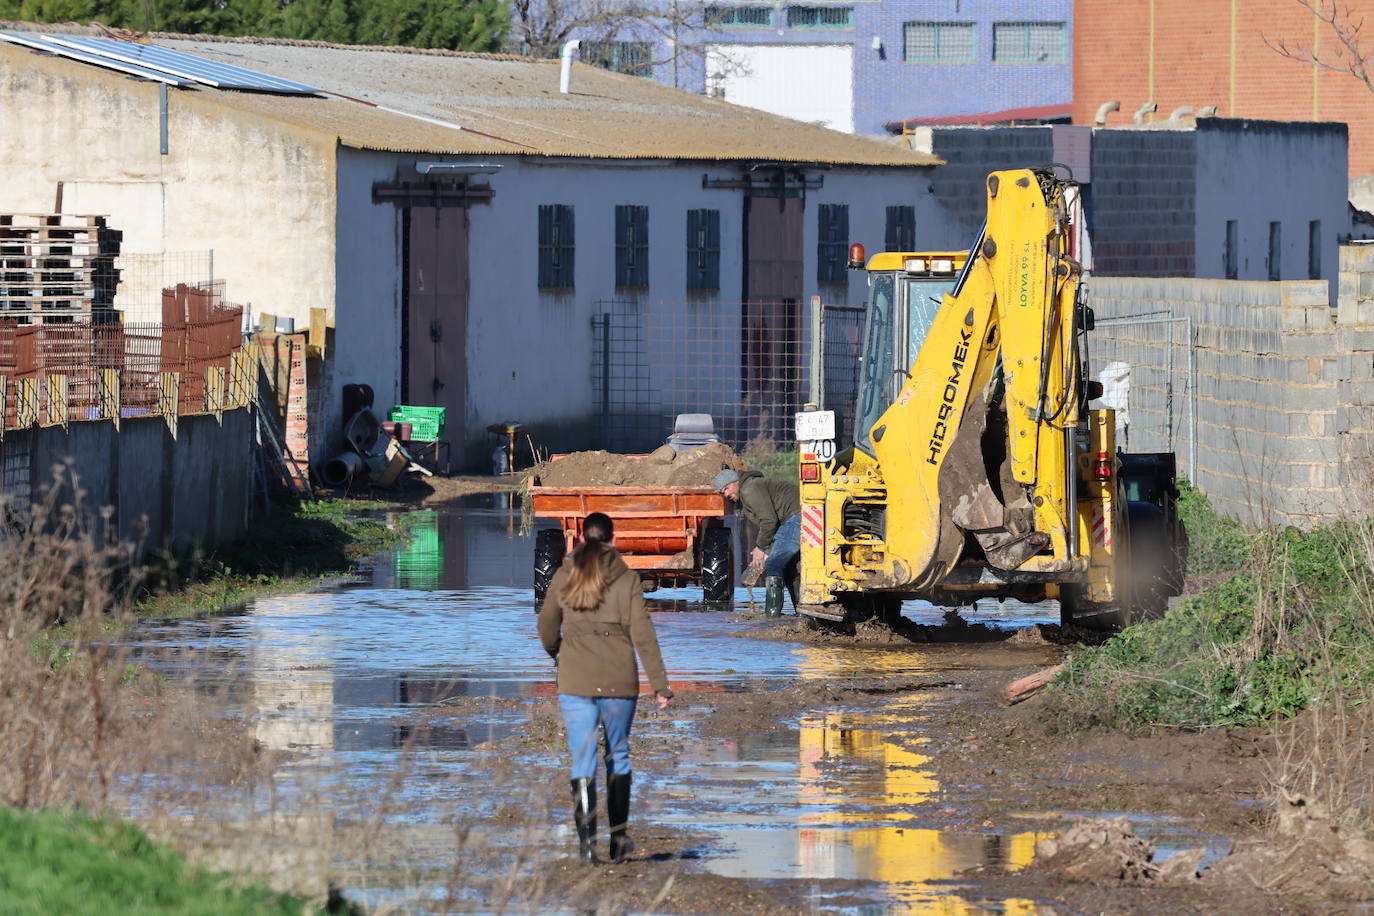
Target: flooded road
x,y
417,705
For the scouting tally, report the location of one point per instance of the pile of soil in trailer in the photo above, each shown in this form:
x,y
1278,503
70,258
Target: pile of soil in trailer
x,y
664,467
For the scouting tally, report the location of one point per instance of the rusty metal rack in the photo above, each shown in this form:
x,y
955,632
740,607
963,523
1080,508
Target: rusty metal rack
x,y
57,268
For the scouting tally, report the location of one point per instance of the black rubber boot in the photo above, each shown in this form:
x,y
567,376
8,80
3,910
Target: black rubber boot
x,y
772,596
584,815
794,590
618,813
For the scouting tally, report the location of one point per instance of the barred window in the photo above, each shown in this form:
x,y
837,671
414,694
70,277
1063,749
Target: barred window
x,y
1028,42
747,16
635,58
631,246
555,246
901,229
832,249
943,42
703,249
820,17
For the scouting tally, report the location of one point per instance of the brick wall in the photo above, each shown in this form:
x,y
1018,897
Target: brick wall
x,y
1186,59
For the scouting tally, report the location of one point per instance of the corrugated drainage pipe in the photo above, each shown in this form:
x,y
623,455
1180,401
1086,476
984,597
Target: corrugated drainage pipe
x,y
339,470
565,75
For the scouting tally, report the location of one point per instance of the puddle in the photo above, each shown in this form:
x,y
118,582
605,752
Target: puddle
x,y
433,656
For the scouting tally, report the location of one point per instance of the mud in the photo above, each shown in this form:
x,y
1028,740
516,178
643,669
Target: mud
x,y
664,467
797,770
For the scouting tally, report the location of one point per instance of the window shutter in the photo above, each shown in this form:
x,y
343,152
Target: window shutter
x,y
833,231
565,241
545,246
901,229
621,255
712,279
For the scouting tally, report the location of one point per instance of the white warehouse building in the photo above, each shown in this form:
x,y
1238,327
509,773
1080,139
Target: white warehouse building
x,y
463,223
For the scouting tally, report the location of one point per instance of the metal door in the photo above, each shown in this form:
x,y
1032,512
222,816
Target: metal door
x,y
772,312
437,314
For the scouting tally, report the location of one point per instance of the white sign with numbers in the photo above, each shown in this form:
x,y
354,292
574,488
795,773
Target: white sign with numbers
x,y
815,424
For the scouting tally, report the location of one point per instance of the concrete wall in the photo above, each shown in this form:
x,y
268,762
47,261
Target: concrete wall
x,y
1273,390
1256,172
530,351
258,192
1158,198
159,491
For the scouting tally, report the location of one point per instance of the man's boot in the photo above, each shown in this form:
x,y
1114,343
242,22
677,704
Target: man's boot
x,y
772,596
618,812
794,589
584,815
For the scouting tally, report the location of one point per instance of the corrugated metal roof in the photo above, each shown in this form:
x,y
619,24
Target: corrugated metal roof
x,y
1034,114
426,102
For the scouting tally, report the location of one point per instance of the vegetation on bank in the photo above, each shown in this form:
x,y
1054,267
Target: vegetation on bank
x,y
1290,625
59,861
286,549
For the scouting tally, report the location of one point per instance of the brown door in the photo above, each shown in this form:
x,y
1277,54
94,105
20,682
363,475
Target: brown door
x,y
437,314
772,314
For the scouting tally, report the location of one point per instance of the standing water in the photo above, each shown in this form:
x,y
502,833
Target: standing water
x,y
393,700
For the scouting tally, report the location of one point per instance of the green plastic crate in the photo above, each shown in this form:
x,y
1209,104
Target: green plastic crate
x,y
426,423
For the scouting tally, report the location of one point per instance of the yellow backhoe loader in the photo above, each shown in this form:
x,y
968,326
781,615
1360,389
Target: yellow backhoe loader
x,y
978,469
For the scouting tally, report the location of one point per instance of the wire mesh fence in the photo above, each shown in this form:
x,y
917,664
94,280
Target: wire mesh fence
x,y
144,277
1146,366
52,365
747,364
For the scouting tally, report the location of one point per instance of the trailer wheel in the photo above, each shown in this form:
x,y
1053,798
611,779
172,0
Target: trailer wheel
x,y
717,566
549,547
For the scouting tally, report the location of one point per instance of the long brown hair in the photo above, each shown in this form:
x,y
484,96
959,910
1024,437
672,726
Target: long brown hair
x,y
587,581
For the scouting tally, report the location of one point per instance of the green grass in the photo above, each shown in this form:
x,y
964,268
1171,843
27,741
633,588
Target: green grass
x,y
762,455
290,548
62,862
1295,627
1216,544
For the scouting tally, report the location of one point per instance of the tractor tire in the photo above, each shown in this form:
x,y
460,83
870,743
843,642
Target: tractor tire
x,y
1153,563
717,566
549,547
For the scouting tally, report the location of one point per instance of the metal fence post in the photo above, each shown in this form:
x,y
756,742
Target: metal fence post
x,y
815,368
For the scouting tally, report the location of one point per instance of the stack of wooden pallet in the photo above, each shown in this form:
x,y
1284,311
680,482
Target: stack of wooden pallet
x,y
57,268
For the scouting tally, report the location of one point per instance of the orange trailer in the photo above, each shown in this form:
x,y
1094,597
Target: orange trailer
x,y
673,536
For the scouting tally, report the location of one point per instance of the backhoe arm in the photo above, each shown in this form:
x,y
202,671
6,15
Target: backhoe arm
x,y
978,441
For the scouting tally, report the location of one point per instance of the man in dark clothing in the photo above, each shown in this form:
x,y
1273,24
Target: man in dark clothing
x,y
775,507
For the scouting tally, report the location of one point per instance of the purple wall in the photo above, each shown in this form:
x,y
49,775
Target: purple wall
x,y
888,89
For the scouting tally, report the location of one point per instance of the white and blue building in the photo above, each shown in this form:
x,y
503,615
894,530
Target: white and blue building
x,y
866,67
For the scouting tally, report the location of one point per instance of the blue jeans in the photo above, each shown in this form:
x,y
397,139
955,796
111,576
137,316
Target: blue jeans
x,y
786,548
581,715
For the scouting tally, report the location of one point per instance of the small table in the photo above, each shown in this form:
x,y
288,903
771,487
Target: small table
x,y
510,430
437,452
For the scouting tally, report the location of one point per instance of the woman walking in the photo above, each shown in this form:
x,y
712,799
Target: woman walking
x,y
593,623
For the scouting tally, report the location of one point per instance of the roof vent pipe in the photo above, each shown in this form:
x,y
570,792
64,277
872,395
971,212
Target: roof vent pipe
x,y
1142,111
1105,109
1181,111
565,76
1207,111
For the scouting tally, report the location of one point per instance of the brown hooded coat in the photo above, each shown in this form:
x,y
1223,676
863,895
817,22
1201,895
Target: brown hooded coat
x,y
595,648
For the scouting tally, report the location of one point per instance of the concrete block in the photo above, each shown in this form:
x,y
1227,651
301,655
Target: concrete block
x,y
1311,343
1304,293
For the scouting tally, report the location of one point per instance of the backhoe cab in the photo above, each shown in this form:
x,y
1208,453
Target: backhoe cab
x,y
978,469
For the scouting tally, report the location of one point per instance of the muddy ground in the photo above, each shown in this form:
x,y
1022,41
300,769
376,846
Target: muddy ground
x,y
1002,772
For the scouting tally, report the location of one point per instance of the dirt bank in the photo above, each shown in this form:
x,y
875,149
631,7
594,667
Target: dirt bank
x,y
663,467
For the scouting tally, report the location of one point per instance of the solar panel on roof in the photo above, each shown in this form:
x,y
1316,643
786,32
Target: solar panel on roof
x,y
41,43
186,66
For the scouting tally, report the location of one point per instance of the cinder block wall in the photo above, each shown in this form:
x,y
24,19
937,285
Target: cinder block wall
x,y
1271,395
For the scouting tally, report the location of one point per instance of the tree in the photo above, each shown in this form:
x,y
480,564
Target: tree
x,y
674,32
1354,52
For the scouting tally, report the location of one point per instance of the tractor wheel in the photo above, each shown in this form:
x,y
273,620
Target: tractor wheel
x,y
717,566
549,547
1152,563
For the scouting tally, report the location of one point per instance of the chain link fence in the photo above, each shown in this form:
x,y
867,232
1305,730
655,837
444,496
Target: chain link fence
x,y
1146,365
